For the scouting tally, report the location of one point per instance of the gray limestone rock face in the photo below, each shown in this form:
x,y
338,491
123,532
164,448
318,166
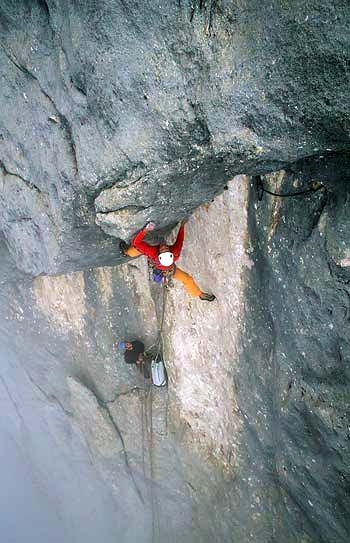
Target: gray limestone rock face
x,y
93,434
115,113
296,343
255,418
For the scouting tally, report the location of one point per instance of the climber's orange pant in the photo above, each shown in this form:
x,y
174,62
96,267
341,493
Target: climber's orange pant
x,y
188,282
184,278
131,251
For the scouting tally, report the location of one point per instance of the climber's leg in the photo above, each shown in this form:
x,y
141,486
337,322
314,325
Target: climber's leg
x,y
187,282
132,251
128,250
191,287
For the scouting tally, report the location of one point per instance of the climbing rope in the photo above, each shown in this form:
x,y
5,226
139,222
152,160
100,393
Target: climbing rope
x,y
143,415
155,504
159,343
147,425
161,326
154,498
315,186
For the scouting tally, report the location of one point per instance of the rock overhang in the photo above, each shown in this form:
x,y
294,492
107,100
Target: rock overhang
x,y
164,112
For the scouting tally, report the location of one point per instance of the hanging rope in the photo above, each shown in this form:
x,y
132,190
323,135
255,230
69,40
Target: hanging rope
x,y
161,326
147,426
314,187
159,343
155,505
154,499
143,426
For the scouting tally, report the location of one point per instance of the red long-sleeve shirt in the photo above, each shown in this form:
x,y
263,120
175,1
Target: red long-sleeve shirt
x,y
152,251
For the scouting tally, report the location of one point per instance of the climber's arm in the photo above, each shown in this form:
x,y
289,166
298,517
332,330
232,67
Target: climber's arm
x,y
142,246
177,247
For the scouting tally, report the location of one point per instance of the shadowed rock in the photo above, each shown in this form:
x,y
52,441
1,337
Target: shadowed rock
x,y
166,102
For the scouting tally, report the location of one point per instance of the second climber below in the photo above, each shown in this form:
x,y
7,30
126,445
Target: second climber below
x,y
163,257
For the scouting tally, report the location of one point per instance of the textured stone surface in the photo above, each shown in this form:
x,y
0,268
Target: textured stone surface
x,y
296,344
58,335
118,112
202,360
145,110
256,418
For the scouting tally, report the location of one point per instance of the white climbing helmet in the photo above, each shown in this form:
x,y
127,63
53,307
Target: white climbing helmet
x,y
166,259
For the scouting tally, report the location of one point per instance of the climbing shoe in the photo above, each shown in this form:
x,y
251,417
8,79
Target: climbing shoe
x,y
123,247
207,297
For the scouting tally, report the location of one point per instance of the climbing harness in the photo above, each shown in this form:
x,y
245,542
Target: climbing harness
x,y
161,276
313,187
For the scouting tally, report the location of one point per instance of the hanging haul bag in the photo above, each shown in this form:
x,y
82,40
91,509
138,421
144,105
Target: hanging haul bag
x,y
158,373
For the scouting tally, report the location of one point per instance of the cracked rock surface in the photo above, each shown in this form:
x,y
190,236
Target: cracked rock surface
x,y
116,112
255,418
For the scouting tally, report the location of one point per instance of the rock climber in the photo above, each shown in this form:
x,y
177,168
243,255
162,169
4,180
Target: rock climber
x,y
134,353
163,258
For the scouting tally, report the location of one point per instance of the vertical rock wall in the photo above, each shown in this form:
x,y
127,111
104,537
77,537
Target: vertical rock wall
x,y
99,409
203,337
249,440
258,378
292,392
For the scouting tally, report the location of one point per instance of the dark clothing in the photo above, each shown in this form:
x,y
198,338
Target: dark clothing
x,y
145,368
131,357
